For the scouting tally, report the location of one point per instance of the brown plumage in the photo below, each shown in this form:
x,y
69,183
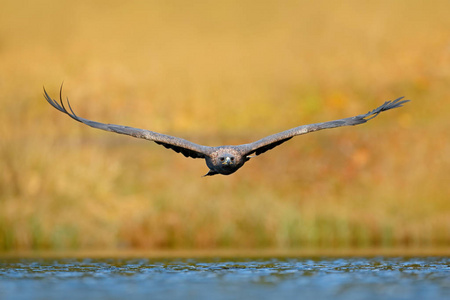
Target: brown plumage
x,y
223,160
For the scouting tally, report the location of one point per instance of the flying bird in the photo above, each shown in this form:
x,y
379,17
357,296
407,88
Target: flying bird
x,y
223,160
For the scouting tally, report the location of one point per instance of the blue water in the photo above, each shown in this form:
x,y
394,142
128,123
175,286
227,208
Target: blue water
x,y
286,278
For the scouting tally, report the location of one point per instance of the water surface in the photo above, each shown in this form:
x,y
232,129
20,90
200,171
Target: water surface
x,y
214,278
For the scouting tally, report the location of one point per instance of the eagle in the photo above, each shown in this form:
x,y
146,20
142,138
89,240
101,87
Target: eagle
x,y
224,160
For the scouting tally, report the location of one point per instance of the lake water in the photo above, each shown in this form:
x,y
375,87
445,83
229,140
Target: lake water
x,y
214,278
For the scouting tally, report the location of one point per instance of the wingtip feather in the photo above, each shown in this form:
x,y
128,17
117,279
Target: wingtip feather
x,y
385,106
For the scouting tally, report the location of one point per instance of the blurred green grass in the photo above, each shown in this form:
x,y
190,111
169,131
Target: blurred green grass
x,y
224,73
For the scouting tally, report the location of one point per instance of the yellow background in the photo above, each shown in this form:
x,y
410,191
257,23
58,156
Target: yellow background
x,y
224,72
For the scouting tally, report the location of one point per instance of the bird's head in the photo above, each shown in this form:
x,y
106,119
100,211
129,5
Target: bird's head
x,y
227,163
225,160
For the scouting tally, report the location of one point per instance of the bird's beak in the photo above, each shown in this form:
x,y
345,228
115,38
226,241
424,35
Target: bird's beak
x,y
227,161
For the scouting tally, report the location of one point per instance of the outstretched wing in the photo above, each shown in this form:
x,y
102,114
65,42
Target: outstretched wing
x,y
179,145
274,140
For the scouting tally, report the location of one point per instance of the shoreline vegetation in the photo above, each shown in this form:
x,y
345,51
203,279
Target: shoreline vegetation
x,y
232,253
224,73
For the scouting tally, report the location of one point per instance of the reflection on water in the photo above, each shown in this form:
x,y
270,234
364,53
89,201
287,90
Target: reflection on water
x,y
347,278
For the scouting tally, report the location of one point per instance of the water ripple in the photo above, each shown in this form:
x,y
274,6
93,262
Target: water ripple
x,y
349,278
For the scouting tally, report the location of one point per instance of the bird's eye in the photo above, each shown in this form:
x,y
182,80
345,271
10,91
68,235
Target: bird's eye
x,y
232,158
222,158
